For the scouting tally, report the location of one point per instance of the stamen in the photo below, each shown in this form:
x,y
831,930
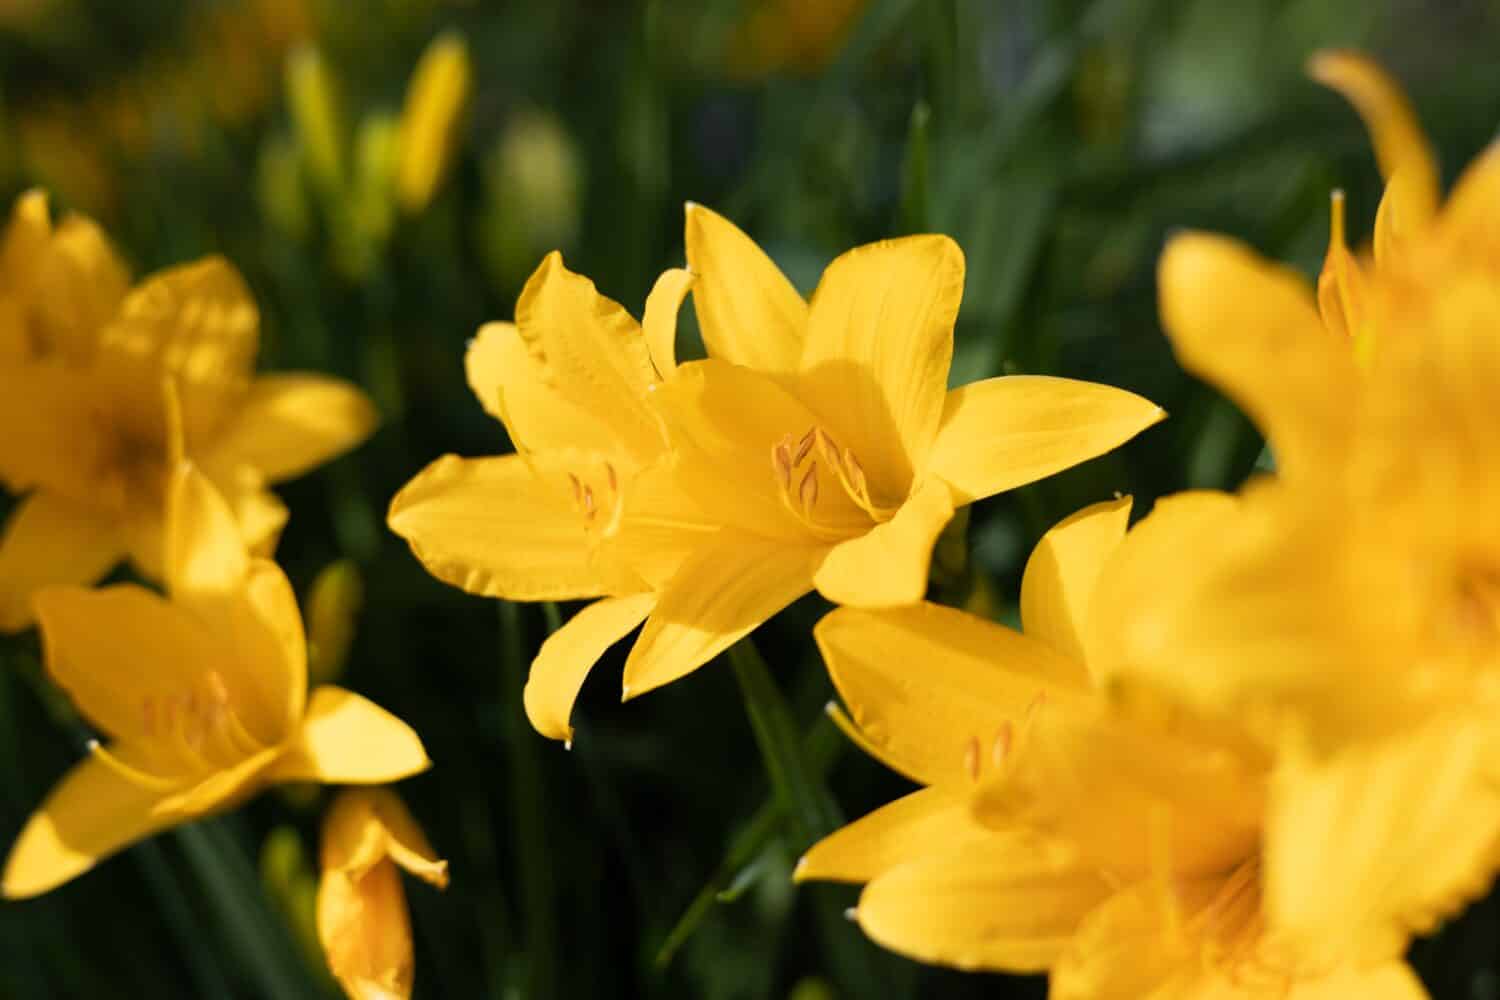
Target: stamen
x,y
804,446
614,480
588,502
971,758
133,775
807,490
781,462
577,490
1000,749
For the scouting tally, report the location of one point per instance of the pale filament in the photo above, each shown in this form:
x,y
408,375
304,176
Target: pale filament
x,y
800,465
596,497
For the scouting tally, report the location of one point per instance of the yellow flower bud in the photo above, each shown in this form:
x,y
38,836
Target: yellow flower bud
x,y
332,610
435,101
312,97
362,918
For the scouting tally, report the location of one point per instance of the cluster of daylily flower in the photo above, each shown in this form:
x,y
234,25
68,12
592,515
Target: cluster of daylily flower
x,y
1243,748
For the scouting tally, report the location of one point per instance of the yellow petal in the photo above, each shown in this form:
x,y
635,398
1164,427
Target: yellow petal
x,y
205,553
1252,329
1342,298
79,281
1128,796
1399,835
659,525
289,424
940,723
1008,431
346,739
197,323
1400,143
591,350
62,449
1004,904
492,526
431,117
405,841
366,933
720,595
726,423
364,826
50,540
879,344
1402,216
1058,583
888,565
1393,980
91,814
1468,218
902,831
659,324
260,513
748,311
565,659
220,789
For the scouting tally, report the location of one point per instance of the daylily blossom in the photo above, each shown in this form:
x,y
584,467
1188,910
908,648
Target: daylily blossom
x,y
368,837
821,445
83,358
1120,854
569,380
1348,616
203,699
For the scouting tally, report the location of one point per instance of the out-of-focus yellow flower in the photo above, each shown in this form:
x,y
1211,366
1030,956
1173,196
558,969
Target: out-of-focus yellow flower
x,y
203,698
533,184
1121,854
83,361
333,607
1350,616
313,99
569,380
432,118
776,35
821,446
362,919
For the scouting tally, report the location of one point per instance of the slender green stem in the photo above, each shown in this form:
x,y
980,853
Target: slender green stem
x,y
208,980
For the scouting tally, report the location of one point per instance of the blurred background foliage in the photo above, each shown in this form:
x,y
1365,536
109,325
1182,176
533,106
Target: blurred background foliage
x,y
1057,140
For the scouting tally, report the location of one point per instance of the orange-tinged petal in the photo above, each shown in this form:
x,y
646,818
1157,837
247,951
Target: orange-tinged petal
x,y
879,345
51,540
1398,835
1007,903
934,688
720,594
346,739
91,814
1015,429
659,324
591,350
748,311
1058,584
289,424
199,324
493,526
902,831
888,565
1400,143
565,659
726,423
1252,328
516,388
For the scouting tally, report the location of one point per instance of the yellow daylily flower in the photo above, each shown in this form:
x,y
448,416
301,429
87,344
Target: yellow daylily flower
x,y
203,699
1120,853
569,380
820,442
83,357
1349,610
363,924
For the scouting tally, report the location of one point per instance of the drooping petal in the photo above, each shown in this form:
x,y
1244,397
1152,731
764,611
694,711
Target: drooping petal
x,y
1007,903
1399,835
92,813
888,565
1058,583
726,424
1401,147
405,841
565,659
748,311
1015,429
349,740
659,324
719,595
591,350
365,826
879,344
934,688
539,412
1252,329
289,424
894,834
51,540
493,527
